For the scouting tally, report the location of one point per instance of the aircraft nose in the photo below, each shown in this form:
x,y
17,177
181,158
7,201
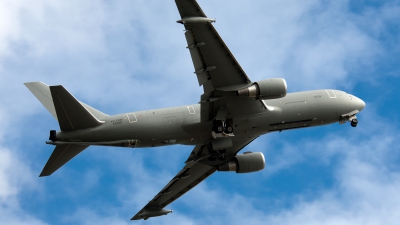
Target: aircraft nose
x,y
358,103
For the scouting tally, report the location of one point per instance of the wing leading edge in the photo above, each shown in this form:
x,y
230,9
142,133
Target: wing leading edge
x,y
216,68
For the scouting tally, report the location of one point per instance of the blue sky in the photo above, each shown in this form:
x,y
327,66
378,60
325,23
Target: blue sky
x,y
128,55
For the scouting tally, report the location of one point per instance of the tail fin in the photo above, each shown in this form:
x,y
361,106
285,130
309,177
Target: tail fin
x,y
61,155
70,113
42,93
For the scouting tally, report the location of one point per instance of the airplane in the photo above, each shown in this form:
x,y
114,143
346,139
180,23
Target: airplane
x,y
232,112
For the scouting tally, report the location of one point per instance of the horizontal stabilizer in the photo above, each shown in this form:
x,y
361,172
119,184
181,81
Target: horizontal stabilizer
x,y
61,155
71,114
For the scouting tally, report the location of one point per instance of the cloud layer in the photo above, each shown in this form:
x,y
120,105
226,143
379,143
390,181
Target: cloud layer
x,y
130,55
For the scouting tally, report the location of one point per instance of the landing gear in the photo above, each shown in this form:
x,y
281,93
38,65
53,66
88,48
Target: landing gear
x,y
221,130
218,126
349,118
221,126
354,122
228,129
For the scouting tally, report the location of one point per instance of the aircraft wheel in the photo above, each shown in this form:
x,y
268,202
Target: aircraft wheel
x,y
218,126
218,129
354,123
229,130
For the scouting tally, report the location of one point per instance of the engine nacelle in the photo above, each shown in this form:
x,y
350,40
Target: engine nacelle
x,y
246,163
265,89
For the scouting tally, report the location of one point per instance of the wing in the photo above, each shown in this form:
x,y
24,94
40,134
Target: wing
x,y
221,76
214,65
194,172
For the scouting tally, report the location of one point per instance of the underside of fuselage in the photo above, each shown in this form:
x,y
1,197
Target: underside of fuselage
x,y
182,125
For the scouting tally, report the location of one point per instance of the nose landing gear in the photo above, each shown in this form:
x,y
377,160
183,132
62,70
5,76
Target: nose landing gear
x,y
354,122
349,118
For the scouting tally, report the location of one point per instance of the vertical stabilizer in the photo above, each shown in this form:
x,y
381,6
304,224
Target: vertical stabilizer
x,y
42,93
71,114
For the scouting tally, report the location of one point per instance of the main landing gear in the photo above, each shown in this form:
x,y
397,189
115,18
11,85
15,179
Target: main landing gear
x,y
221,130
220,126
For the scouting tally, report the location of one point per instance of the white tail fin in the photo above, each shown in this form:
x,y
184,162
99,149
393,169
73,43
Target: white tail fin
x,y
68,106
42,93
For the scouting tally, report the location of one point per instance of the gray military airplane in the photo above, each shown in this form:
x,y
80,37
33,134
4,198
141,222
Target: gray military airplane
x,y
232,112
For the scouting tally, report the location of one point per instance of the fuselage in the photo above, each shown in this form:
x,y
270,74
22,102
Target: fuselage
x,y
182,125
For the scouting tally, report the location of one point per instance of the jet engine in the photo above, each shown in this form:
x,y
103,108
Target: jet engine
x,y
265,89
246,163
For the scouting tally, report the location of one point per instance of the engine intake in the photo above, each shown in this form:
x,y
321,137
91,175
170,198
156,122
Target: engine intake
x,y
265,89
246,163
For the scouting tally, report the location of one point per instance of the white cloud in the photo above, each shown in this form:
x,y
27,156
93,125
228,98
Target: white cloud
x,y
128,54
15,181
313,44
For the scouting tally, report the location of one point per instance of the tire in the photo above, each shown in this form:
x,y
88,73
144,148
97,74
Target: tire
x,y
229,130
354,122
219,129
